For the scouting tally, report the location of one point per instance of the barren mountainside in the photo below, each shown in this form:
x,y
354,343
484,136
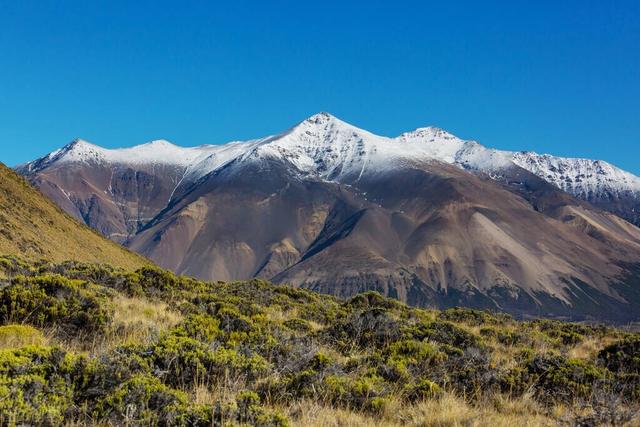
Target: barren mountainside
x,y
424,217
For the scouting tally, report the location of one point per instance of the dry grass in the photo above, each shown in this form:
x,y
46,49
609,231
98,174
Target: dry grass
x,y
449,411
135,320
140,319
15,336
589,347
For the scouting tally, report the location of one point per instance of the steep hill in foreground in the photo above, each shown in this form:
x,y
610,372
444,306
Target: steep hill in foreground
x,y
89,345
33,227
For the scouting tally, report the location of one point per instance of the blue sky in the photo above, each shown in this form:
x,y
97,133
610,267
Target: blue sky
x,y
558,77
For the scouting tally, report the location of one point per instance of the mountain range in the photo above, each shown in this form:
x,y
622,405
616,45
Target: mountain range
x,y
425,217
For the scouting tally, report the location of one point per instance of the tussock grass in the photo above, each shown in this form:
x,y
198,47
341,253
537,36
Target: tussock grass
x,y
447,411
136,320
140,320
15,336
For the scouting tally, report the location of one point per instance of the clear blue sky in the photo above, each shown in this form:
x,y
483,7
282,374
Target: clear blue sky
x,y
552,76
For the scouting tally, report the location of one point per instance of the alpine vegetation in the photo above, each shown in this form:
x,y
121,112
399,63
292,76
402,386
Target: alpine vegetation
x,y
88,344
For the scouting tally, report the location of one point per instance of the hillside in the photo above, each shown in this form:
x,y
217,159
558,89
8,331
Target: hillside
x,y
82,344
33,227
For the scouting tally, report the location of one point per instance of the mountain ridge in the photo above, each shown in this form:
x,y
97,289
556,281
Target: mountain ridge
x,y
425,217
595,181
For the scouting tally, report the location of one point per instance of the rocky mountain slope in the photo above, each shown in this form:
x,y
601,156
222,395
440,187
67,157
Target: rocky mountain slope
x,y
424,217
33,227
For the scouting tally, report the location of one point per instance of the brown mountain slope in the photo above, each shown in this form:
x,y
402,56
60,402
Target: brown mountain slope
x,y
430,235
113,199
33,227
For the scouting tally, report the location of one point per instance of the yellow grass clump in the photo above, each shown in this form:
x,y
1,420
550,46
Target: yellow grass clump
x,y
14,336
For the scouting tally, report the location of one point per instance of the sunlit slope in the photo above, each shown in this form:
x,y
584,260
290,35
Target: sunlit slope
x,y
33,227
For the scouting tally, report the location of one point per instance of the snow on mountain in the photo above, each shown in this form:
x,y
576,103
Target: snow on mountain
x,y
158,152
328,148
581,177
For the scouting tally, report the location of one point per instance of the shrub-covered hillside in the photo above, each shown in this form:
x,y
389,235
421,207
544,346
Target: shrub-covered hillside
x,y
85,344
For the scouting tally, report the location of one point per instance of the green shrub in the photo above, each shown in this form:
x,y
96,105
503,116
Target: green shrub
x,y
368,300
416,352
557,379
36,385
298,325
567,334
375,328
320,362
364,353
47,301
424,389
446,333
145,400
473,317
250,412
183,359
200,327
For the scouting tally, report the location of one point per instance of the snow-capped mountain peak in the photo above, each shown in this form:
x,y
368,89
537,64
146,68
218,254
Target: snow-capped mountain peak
x,y
321,118
159,143
429,133
153,152
329,148
76,150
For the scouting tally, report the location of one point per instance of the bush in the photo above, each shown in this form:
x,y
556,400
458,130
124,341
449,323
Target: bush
x,y
48,301
424,389
298,325
622,356
446,333
473,317
249,412
357,355
567,334
365,329
36,385
182,360
145,400
200,327
557,379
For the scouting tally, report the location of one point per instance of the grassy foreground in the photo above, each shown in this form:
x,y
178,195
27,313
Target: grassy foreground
x,y
84,344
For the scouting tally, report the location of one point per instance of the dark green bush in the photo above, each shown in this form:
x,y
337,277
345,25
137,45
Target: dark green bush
x,y
557,379
374,327
622,356
37,385
298,325
145,400
424,389
446,333
47,301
